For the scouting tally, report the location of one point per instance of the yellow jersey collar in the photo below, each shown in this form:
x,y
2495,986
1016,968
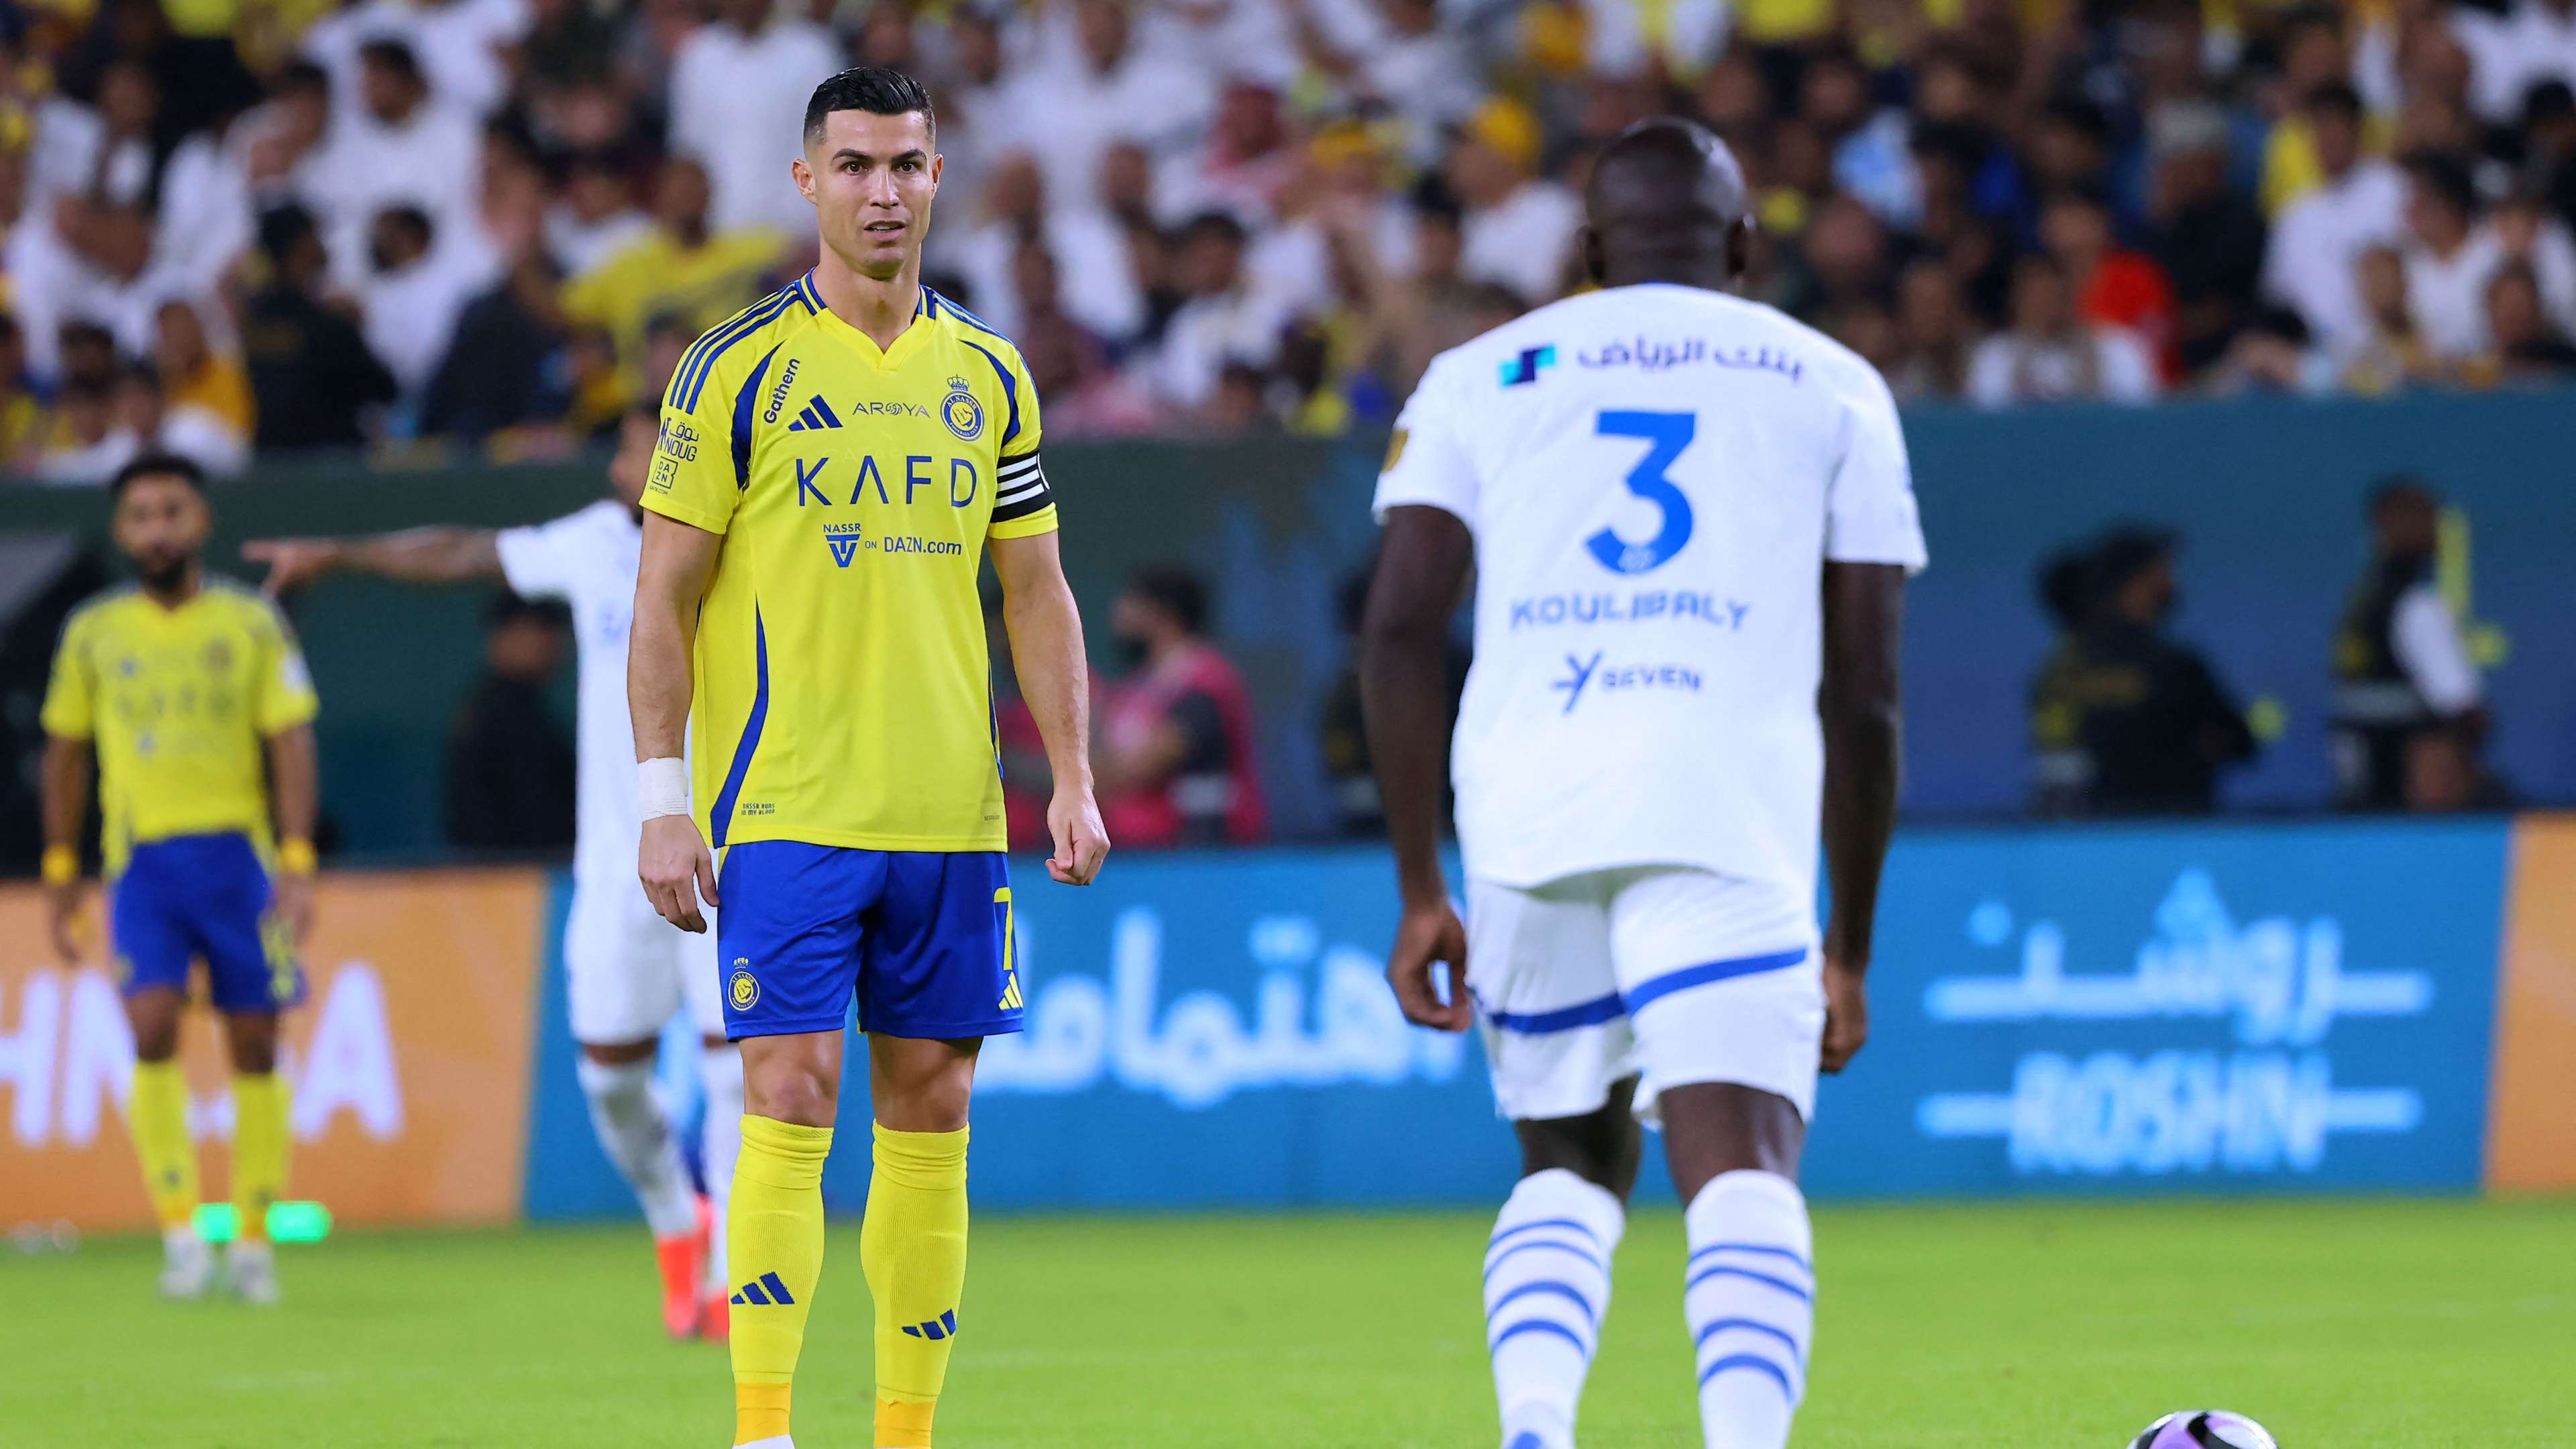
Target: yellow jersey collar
x,y
913,338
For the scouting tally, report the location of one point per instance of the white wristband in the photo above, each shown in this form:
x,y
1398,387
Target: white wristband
x,y
662,787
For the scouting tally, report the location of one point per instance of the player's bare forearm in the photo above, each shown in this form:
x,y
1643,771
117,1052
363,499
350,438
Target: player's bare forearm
x,y
294,782
434,555
670,578
65,790
1055,680
1404,693
1047,652
1861,710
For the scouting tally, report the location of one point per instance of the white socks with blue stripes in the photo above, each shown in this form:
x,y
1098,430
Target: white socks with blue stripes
x,y
720,1145
1749,1298
1547,1289
632,1131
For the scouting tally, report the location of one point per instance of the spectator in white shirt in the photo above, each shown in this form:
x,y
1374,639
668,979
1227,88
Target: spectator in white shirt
x,y
399,149
120,153
460,43
278,144
1224,321
2359,203
2448,259
738,93
2050,355
1519,228
104,271
2531,42
1397,54
109,424
417,286
1097,87
1018,208
1238,168
597,213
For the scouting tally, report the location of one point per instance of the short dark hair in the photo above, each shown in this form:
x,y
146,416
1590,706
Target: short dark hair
x,y
2338,96
157,465
877,89
1175,590
394,55
2448,179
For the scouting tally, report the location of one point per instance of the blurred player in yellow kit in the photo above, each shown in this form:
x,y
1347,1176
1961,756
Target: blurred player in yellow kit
x,y
195,698
834,465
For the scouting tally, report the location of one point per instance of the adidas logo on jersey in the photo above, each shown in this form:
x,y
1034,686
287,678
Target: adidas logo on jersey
x,y
815,414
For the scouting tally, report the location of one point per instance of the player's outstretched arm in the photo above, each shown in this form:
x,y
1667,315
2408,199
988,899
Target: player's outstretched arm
x,y
435,555
1421,568
295,795
1861,709
1046,653
65,791
670,579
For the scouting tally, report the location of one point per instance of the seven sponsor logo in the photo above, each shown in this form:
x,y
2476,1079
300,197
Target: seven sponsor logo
x,y
1590,674
778,394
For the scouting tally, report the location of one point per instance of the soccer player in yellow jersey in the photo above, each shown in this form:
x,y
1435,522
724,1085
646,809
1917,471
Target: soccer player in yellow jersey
x,y
834,464
189,690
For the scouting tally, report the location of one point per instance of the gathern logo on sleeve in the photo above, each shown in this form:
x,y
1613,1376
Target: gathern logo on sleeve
x,y
778,392
961,412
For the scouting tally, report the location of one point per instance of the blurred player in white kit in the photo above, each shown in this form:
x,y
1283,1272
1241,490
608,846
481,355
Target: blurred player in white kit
x,y
629,971
1690,522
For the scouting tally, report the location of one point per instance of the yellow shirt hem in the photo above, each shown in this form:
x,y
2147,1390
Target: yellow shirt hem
x,y
997,839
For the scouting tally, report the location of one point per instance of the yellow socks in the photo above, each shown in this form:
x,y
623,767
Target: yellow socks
x,y
260,1147
774,1240
913,1247
157,1116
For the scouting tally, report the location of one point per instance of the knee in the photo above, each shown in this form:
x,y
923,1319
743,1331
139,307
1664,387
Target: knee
x,y
794,1092
253,1040
925,1096
156,1041
1601,1147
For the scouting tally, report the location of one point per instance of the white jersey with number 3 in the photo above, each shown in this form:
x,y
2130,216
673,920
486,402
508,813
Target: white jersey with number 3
x,y
1654,477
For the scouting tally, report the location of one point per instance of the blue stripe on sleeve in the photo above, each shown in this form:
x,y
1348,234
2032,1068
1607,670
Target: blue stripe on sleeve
x,y
1010,390
713,345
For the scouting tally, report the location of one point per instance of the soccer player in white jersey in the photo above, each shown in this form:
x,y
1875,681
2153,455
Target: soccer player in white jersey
x,y
628,971
1690,523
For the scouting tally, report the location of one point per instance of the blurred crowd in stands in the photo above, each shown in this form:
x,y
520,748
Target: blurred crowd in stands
x,y
264,226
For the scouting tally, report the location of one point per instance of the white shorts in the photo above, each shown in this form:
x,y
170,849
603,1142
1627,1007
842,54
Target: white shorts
x,y
628,971
1665,972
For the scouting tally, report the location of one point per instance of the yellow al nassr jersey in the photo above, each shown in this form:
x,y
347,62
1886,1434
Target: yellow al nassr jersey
x,y
843,694
180,703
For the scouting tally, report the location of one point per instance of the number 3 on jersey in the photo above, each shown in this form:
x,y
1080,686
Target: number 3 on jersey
x,y
1666,434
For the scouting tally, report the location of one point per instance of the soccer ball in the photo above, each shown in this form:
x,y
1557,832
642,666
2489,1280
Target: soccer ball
x,y
2205,1429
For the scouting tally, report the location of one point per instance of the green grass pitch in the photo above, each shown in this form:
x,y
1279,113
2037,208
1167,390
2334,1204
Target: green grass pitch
x,y
2354,1325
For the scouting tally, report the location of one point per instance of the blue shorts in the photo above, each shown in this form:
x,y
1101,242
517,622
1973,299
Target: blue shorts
x,y
921,940
203,896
